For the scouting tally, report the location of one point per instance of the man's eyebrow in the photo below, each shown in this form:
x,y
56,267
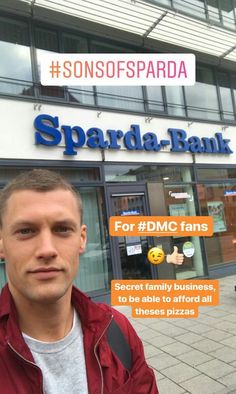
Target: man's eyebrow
x,y
62,222
66,222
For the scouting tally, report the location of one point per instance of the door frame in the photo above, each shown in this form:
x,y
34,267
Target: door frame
x,y
124,189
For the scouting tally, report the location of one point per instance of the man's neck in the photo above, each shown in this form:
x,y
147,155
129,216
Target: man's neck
x,y
48,322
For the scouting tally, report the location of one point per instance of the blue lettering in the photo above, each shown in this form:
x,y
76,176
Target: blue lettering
x,y
223,144
70,143
113,136
132,138
96,138
151,142
49,128
209,145
178,140
195,145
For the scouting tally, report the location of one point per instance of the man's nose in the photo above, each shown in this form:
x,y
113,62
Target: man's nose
x,y
46,248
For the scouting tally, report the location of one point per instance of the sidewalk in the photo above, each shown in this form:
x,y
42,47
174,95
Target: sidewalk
x,y
196,356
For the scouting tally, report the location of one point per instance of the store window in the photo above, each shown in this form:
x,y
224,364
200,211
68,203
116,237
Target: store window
x,y
95,264
181,201
219,201
14,49
157,173
199,105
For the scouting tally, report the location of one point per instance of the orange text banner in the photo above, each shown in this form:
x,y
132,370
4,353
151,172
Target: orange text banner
x,y
165,298
161,225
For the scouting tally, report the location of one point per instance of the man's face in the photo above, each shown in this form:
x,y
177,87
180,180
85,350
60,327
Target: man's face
x,y
41,240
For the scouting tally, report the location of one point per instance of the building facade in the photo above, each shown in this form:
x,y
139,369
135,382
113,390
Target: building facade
x,y
108,141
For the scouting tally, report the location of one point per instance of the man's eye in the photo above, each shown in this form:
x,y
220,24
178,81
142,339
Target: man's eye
x,y
25,231
63,229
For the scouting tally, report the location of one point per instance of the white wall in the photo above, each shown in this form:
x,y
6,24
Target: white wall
x,y
17,140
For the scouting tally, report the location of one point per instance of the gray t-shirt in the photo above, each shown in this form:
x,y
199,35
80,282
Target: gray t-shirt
x,y
62,362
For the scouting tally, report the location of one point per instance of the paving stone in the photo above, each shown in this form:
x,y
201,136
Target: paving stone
x,y
162,361
230,341
200,328
217,312
189,338
151,351
226,326
226,354
184,323
229,380
230,317
216,368
160,340
217,335
202,384
166,386
176,348
148,334
174,331
194,358
180,372
207,345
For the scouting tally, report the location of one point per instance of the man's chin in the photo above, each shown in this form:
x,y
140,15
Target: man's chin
x,y
48,296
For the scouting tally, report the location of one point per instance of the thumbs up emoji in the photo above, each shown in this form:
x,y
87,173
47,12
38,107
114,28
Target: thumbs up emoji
x,y
175,257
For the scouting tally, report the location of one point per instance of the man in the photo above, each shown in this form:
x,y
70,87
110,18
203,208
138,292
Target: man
x,y
53,338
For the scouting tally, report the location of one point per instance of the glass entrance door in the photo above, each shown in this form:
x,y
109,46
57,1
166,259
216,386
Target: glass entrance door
x,y
129,253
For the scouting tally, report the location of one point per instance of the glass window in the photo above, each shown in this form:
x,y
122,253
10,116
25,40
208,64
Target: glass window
x,y
216,173
219,201
226,97
180,201
227,10
47,41
14,49
129,173
202,101
74,175
163,2
120,97
193,7
213,10
233,78
95,264
175,100
155,98
77,94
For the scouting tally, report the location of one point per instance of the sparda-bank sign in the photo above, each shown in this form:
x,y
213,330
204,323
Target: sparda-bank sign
x,y
50,133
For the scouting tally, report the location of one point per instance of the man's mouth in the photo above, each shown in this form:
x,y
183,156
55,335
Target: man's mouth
x,y
44,273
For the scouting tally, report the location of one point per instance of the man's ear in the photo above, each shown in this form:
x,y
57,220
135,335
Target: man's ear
x,y
83,238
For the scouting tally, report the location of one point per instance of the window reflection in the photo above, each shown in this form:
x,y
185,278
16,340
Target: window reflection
x,y
46,41
175,100
202,101
14,49
155,98
226,97
219,201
